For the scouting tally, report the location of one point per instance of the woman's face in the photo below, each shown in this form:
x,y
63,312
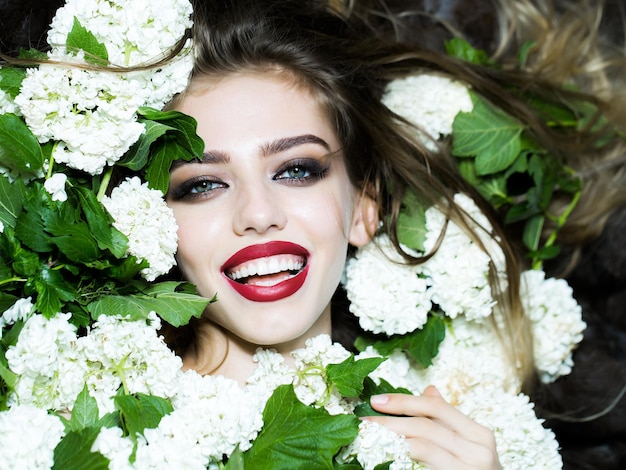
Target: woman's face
x,y
265,219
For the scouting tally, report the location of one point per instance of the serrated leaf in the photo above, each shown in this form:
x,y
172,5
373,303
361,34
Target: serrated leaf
x,y
19,148
74,452
11,80
79,38
52,290
84,411
422,344
487,134
12,196
295,432
141,411
349,375
176,308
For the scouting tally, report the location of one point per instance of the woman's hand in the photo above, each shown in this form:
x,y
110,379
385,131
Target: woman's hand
x,y
439,435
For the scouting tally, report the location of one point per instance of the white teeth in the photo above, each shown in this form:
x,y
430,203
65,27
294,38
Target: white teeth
x,y
269,265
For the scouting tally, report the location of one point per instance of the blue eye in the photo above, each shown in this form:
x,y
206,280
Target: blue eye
x,y
194,188
301,171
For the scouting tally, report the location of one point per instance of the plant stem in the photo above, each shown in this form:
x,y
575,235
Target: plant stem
x,y
104,184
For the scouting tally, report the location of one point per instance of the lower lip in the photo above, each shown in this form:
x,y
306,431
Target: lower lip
x,y
280,291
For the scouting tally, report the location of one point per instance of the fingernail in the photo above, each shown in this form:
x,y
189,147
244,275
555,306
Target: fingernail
x,y
379,399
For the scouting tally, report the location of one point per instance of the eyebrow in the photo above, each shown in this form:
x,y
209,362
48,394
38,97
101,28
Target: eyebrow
x,y
270,148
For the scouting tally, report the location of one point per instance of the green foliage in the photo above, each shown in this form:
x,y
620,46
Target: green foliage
x,y
294,432
412,222
519,178
19,149
371,388
348,376
421,344
80,38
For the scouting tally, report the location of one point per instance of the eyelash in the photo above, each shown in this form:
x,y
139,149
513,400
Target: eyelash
x,y
189,189
313,169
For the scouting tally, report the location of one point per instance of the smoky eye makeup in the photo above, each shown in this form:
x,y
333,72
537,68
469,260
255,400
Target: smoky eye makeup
x,y
302,171
194,188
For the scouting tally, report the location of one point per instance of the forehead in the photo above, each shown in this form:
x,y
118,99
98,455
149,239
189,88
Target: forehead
x,y
255,106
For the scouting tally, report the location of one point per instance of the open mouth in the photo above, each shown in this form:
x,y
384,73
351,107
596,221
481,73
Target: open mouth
x,y
267,271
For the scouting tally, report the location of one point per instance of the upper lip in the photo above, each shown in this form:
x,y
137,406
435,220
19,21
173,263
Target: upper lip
x,y
263,250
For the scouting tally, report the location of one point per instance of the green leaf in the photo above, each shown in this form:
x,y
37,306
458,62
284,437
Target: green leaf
x,y
100,224
371,388
52,290
532,232
19,148
412,222
158,170
6,375
79,38
487,134
74,451
141,411
84,411
461,49
11,80
294,432
422,344
173,306
12,196
348,376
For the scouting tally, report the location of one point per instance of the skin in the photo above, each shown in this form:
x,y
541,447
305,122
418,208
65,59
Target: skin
x,y
243,195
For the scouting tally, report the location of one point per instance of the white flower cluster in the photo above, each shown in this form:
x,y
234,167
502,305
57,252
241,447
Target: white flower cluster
x,y
389,296
53,363
376,445
428,101
19,311
28,436
386,295
142,215
211,417
7,104
551,307
92,113
458,273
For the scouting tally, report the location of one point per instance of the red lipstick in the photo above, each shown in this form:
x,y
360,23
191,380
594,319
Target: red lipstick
x,y
267,293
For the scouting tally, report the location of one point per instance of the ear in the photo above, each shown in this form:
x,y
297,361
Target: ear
x,y
364,221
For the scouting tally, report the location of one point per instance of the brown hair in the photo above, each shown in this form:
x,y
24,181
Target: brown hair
x,y
347,65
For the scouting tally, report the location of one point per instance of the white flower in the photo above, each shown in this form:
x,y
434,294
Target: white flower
x,y
28,436
142,215
114,447
459,271
387,295
55,185
7,104
376,445
215,414
130,352
134,32
522,442
19,311
470,355
90,113
556,322
428,101
311,384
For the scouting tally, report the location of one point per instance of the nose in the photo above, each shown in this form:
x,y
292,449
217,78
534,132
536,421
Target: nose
x,y
257,209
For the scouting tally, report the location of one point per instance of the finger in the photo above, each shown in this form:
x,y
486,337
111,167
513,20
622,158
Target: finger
x,y
433,406
434,443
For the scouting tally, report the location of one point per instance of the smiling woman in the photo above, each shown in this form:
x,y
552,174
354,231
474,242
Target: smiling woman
x,y
265,219
360,304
